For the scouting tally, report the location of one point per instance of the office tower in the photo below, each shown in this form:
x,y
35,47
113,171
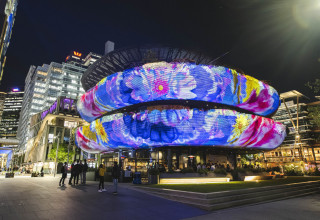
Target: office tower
x,y
11,113
7,14
2,98
44,84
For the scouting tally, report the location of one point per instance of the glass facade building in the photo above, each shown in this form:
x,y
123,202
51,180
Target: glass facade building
x,y
8,10
11,113
44,84
300,143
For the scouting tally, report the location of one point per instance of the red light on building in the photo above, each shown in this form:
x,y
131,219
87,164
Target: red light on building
x,y
68,57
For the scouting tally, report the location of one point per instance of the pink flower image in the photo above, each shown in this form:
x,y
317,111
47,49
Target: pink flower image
x,y
161,87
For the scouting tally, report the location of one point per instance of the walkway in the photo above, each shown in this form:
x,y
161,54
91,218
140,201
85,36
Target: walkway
x,y
41,198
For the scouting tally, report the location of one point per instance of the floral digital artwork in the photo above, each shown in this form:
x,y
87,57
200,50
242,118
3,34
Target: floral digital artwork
x,y
184,127
178,81
179,125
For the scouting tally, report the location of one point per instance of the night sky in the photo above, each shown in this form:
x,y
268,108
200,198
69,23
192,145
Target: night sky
x,y
274,40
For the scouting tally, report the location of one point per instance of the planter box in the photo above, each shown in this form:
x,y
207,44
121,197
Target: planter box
x,y
9,175
153,179
193,175
90,176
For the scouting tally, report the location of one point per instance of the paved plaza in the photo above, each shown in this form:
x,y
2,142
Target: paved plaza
x,y
41,198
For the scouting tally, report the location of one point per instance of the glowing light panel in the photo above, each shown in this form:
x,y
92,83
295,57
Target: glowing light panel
x,y
178,81
179,126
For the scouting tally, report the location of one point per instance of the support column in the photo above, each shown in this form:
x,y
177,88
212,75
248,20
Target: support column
x,y
169,159
135,161
178,159
314,157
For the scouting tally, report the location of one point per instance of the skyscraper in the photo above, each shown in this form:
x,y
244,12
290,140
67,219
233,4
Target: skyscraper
x,y
44,84
2,99
7,13
11,113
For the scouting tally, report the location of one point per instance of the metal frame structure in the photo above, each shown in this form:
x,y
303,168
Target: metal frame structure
x,y
122,59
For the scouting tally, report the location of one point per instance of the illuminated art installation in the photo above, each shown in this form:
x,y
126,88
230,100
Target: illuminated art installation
x,y
230,125
174,81
180,127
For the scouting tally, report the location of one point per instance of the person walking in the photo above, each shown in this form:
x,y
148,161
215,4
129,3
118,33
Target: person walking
x,y
115,177
64,171
84,172
102,170
72,172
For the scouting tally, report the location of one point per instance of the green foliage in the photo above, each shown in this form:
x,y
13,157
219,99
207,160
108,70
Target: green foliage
x,y
154,171
314,86
220,171
314,114
313,172
62,153
291,170
187,170
314,111
203,171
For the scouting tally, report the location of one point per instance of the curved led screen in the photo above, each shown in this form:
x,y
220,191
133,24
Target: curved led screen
x,y
178,126
178,81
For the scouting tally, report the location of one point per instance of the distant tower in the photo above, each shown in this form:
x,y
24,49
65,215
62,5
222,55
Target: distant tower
x,y
109,46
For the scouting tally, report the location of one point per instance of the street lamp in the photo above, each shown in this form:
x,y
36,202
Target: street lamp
x,y
55,169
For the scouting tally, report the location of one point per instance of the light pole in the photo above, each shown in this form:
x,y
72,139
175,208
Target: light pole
x,y
55,169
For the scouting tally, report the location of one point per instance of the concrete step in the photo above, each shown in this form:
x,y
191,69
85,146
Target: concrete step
x,y
235,197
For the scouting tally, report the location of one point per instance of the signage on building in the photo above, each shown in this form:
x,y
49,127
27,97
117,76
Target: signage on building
x,y
77,54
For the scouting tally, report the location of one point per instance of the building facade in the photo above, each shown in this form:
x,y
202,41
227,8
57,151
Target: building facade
x,y
2,99
44,84
300,145
8,10
46,128
11,114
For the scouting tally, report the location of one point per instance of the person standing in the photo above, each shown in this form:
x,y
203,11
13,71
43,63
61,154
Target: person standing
x,y
102,170
80,171
76,173
84,172
115,177
72,172
64,171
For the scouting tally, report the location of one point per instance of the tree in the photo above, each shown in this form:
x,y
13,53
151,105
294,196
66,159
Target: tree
x,y
314,111
62,153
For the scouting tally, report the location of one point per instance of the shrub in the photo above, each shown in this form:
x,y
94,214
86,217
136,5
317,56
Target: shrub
x,y
187,170
220,171
203,171
154,171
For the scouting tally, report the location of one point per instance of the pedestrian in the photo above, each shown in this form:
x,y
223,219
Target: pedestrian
x,y
102,170
84,172
76,173
64,171
72,172
80,171
198,167
115,177
213,167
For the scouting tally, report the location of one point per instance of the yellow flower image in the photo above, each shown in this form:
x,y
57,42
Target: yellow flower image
x,y
101,132
242,122
88,133
252,84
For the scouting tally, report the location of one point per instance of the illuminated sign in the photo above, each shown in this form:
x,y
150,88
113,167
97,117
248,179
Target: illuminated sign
x,y
15,90
77,54
178,81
